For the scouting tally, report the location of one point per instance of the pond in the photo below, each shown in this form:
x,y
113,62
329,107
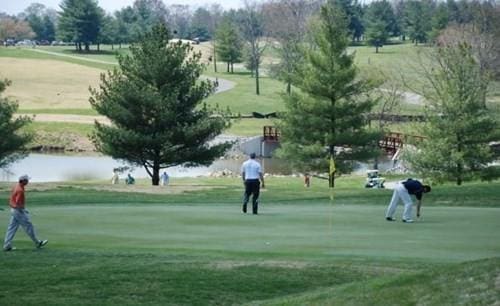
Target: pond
x,y
57,168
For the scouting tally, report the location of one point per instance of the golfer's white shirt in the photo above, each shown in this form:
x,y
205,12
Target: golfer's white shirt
x,y
252,169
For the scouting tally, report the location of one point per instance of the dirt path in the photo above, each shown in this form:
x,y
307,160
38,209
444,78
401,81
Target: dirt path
x,y
70,118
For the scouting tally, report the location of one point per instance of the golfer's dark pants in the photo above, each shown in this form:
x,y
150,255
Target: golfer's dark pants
x,y
252,187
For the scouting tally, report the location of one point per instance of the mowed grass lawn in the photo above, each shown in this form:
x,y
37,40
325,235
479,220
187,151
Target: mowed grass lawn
x,y
197,248
48,84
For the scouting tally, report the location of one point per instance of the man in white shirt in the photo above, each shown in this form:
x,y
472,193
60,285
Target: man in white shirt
x,y
251,172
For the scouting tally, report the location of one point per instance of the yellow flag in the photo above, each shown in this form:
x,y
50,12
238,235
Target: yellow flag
x,y
332,165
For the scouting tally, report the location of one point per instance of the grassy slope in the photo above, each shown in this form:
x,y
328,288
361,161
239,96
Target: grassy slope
x,y
470,283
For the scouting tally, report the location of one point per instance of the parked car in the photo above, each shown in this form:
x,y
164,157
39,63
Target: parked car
x,y
60,43
9,42
26,42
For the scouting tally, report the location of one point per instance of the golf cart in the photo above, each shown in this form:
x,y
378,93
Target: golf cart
x,y
373,180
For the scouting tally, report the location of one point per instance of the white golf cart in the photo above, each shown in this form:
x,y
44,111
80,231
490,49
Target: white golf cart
x,y
374,180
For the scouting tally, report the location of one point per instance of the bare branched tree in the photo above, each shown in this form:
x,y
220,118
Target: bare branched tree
x,y
286,21
253,32
482,35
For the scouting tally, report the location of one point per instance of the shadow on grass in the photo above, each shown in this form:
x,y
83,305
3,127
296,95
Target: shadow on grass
x,y
91,52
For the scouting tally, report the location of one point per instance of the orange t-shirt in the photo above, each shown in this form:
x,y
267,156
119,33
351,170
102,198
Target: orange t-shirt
x,y
17,196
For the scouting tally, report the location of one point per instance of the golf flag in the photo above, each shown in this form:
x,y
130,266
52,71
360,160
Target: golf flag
x,y
332,166
331,174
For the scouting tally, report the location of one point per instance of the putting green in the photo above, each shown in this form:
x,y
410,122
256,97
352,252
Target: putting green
x,y
287,231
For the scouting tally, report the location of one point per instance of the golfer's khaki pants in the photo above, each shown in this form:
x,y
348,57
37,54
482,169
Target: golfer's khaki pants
x,y
400,193
18,217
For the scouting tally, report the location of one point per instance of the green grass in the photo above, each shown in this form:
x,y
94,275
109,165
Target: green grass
x,y
248,127
61,127
243,99
105,54
30,54
471,283
197,248
59,111
71,136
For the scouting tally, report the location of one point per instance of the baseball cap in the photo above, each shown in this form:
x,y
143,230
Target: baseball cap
x,y
24,177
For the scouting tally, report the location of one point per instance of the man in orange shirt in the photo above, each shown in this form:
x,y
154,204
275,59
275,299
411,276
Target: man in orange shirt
x,y
20,216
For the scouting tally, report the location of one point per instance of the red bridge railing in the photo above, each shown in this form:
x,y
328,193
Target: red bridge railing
x,y
394,141
271,134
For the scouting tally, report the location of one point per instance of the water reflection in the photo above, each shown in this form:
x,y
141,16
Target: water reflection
x,y
56,168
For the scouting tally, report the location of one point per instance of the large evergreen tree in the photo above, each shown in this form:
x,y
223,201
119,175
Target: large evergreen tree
x,y
229,44
80,22
14,140
354,14
459,124
154,102
418,20
439,21
325,122
41,21
380,21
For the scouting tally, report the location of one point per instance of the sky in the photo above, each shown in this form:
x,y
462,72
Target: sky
x,y
14,7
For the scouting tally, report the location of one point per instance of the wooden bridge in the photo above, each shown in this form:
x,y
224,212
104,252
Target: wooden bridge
x,y
271,134
393,141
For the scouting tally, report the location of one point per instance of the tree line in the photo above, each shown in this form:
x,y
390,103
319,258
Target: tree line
x,y
243,35
375,22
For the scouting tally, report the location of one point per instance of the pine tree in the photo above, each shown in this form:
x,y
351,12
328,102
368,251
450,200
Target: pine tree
x,y
14,140
154,102
80,22
418,20
229,44
459,124
325,122
380,22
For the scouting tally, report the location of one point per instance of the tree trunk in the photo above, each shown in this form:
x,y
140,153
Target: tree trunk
x,y
376,49
289,88
460,166
87,47
156,174
232,67
215,60
257,84
228,67
98,47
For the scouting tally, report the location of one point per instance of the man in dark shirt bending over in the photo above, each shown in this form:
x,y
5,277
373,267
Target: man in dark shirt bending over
x,y
402,191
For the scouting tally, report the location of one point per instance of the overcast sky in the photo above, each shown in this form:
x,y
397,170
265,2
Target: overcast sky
x,y
13,7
